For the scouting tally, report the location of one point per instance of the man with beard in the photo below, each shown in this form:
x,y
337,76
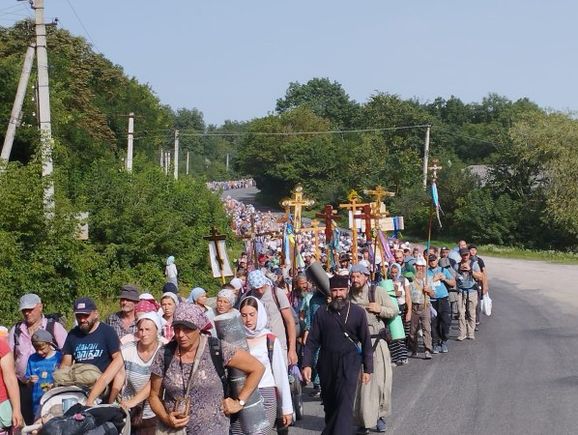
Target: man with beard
x,y
373,401
91,342
340,331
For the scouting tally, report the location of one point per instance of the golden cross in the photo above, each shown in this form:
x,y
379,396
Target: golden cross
x,y
353,205
378,194
315,227
297,202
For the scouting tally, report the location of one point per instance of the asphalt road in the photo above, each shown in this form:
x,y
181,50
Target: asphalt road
x,y
520,375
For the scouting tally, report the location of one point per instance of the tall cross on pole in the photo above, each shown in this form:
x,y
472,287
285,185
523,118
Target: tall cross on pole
x,y
329,216
297,202
434,170
316,229
215,237
252,236
353,205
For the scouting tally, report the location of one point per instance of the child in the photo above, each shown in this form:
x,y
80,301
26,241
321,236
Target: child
x,y
41,366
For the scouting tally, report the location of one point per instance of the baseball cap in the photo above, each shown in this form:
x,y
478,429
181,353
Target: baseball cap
x,y
29,301
129,292
464,251
432,257
84,305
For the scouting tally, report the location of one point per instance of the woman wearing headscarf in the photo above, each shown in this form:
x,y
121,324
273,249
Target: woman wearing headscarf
x,y
274,385
135,369
226,302
169,302
198,297
398,348
171,272
184,369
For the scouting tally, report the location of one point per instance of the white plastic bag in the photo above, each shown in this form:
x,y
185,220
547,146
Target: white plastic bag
x,y
487,305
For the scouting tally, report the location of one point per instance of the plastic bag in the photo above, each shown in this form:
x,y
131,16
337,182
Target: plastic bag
x,y
487,305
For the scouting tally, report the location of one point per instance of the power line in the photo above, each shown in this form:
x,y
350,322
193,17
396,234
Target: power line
x,y
291,133
81,23
465,136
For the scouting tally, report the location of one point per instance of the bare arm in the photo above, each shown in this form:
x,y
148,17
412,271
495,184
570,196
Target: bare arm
x,y
139,397
116,366
291,334
155,399
66,361
9,376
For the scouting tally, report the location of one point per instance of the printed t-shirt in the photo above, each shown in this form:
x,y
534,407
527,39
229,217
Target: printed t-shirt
x,y
44,369
95,348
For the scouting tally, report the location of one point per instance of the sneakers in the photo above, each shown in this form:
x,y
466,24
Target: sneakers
x,y
413,355
461,338
362,431
381,426
427,355
471,337
404,362
437,349
444,347
315,394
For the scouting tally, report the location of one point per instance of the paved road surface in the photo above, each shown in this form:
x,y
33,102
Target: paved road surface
x,y
520,375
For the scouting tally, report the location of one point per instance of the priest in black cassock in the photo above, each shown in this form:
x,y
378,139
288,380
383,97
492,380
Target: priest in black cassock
x,y
341,333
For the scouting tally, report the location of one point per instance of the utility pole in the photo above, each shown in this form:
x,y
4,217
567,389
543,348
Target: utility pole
x,y
176,168
187,166
167,162
161,160
44,107
426,156
227,163
17,107
129,145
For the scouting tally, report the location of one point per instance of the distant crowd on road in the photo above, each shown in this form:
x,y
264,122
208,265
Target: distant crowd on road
x,y
232,184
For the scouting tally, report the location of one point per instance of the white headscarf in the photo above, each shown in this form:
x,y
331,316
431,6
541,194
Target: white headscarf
x,y
261,324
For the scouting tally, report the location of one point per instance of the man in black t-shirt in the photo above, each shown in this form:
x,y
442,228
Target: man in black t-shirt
x,y
91,342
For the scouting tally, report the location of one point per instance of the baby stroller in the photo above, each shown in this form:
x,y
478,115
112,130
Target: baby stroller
x,y
62,411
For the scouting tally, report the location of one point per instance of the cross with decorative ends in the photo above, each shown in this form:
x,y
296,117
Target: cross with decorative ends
x,y
378,194
434,169
316,229
353,205
297,202
329,215
252,235
215,237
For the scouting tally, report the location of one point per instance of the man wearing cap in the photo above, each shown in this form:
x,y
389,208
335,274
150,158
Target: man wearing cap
x,y
91,341
468,272
483,284
373,402
124,321
20,340
280,318
340,332
440,280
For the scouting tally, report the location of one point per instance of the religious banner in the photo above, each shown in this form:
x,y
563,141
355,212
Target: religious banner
x,y
218,258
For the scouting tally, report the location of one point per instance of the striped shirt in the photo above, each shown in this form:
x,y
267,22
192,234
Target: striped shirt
x,y
138,373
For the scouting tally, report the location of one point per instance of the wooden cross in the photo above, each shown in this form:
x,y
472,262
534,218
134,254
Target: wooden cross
x,y
366,215
252,235
215,237
379,193
316,229
297,202
435,168
329,215
353,205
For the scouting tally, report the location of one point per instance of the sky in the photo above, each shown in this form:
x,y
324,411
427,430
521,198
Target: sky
x,y
232,59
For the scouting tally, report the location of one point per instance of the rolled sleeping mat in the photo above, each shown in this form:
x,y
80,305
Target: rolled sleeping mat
x,y
252,417
396,324
318,276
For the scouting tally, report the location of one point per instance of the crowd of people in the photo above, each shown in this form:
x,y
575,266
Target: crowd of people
x,y
243,183
341,325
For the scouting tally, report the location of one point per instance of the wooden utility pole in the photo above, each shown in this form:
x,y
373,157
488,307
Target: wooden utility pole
x,y
44,107
17,107
187,164
129,144
426,156
176,168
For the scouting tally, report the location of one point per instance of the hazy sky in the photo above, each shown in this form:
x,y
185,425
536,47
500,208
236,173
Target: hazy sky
x,y
233,58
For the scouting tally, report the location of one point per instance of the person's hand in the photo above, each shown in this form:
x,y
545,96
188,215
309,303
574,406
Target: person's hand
x,y
306,372
439,277
374,307
125,404
17,420
177,421
33,379
231,406
408,316
365,377
287,420
292,356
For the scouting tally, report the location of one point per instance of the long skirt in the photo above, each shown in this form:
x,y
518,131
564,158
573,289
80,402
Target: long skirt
x,y
270,401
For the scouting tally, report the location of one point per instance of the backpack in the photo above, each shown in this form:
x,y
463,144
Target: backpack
x,y
52,319
293,313
216,356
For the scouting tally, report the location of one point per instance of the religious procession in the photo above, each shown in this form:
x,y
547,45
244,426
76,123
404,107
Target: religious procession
x,y
334,306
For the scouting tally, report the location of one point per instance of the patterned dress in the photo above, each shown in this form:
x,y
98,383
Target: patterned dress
x,y
206,391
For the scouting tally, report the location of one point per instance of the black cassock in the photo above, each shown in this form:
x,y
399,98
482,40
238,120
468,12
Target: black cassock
x,y
339,363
